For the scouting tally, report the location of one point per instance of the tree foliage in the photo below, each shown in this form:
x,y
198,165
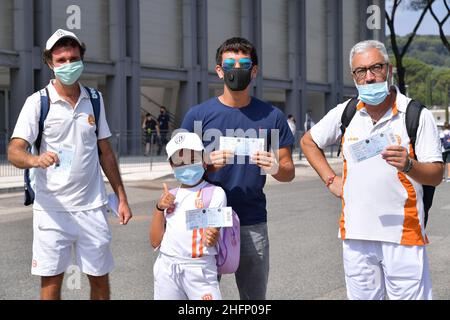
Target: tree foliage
x,y
426,83
400,51
428,49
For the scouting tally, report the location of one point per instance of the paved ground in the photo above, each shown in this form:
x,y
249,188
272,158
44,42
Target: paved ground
x,y
305,256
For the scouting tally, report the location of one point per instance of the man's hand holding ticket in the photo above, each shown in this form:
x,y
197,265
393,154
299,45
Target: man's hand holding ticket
x,y
242,146
372,146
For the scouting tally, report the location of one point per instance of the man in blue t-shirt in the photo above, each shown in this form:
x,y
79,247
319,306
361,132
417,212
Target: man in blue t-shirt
x,y
236,114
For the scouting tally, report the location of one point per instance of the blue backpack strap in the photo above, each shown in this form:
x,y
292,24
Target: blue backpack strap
x,y
95,101
45,108
94,96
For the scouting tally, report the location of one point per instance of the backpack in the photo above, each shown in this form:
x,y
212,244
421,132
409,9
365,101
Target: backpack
x,y
446,141
229,243
412,120
29,174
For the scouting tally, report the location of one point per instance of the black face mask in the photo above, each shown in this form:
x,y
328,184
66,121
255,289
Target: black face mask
x,y
238,79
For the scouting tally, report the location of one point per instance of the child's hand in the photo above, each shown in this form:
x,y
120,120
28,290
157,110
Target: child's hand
x,y
211,236
167,199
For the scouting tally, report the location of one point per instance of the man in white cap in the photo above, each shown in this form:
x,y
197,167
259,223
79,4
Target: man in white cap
x,y
70,196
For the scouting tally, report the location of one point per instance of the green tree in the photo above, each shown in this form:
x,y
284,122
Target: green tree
x,y
399,53
441,23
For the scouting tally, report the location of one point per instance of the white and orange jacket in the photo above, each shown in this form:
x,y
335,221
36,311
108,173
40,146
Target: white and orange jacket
x,y
378,202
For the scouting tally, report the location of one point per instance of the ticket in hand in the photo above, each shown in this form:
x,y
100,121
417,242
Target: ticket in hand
x,y
372,146
113,204
242,146
66,154
60,172
209,218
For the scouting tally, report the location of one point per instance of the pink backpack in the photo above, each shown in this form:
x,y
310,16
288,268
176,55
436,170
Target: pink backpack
x,y
229,243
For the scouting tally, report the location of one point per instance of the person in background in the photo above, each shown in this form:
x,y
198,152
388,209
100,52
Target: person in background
x,y
445,140
151,132
163,121
291,123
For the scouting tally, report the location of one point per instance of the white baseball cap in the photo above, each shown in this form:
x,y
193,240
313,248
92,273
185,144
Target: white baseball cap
x,y
59,34
184,140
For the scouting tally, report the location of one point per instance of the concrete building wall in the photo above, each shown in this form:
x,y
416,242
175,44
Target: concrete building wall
x,y
275,38
161,32
224,22
94,30
316,41
350,27
165,50
6,24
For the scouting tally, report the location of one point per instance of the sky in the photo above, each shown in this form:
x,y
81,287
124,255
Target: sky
x,y
406,20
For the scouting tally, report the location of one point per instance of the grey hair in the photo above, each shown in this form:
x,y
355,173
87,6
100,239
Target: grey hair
x,y
363,46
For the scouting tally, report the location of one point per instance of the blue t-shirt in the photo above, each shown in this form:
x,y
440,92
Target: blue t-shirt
x,y
243,182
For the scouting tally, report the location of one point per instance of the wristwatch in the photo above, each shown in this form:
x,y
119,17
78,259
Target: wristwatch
x,y
408,166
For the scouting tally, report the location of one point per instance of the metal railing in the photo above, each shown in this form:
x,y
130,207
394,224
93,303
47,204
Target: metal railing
x,y
6,169
133,150
330,151
129,147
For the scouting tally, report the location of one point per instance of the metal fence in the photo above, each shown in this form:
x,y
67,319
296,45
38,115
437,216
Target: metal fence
x,y
329,151
133,149
130,148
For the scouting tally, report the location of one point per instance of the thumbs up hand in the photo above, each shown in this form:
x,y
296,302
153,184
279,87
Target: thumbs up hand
x,y
167,199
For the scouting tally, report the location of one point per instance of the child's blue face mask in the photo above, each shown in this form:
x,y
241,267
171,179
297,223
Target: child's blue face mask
x,y
189,175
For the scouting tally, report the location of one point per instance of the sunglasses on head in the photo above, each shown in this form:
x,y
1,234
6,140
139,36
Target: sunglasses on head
x,y
244,63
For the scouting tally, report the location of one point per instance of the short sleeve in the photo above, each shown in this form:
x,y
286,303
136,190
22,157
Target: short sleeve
x,y
286,137
327,131
428,145
103,128
27,125
188,121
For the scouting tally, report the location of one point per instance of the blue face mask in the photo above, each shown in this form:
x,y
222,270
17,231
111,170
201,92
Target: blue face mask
x,y
69,73
189,175
373,93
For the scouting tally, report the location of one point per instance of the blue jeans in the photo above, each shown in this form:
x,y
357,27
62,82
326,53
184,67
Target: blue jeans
x,y
253,272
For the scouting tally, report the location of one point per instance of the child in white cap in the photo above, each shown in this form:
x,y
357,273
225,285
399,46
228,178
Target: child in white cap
x,y
186,265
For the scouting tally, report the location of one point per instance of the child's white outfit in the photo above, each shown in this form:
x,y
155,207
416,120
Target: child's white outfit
x,y
185,268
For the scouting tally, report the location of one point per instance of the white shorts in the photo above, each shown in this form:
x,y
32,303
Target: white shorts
x,y
56,233
177,279
375,270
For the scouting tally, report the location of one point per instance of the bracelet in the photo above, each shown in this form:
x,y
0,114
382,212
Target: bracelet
x,y
408,166
330,180
158,208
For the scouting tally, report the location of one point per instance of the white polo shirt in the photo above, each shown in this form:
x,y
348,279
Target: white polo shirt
x,y
179,242
378,202
83,189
